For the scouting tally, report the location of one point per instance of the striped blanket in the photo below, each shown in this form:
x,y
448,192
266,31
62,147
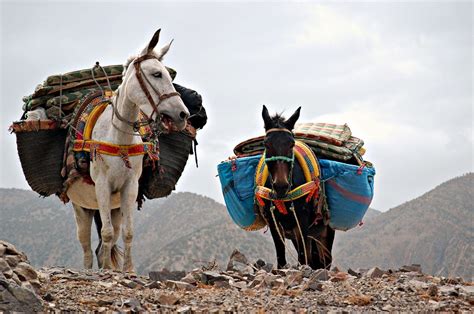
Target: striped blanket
x,y
326,140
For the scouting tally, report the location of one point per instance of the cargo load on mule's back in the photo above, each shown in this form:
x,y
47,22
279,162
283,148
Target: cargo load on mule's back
x,y
347,180
55,112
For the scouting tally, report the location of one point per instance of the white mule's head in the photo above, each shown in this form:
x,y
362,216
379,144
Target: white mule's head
x,y
162,102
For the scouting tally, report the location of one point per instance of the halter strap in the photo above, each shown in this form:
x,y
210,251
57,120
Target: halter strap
x,y
141,81
278,130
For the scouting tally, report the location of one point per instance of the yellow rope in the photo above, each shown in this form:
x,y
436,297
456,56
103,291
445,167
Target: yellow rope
x,y
272,209
292,209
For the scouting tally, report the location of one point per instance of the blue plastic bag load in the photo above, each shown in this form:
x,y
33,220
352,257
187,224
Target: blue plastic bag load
x,y
237,178
349,192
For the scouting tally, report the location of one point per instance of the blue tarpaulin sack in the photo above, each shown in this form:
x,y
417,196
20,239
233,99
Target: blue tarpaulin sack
x,y
237,178
349,192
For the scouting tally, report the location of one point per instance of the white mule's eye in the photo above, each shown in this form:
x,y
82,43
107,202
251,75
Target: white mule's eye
x,y
157,74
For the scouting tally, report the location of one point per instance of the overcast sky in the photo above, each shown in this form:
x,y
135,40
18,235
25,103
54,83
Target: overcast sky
x,y
399,74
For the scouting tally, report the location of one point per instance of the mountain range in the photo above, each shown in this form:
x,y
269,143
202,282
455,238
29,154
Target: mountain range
x,y
186,230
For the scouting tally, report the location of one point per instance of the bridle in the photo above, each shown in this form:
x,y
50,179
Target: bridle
x,y
290,160
141,80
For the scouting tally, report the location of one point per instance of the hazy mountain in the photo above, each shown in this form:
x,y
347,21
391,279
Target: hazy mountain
x,y
182,231
187,230
435,230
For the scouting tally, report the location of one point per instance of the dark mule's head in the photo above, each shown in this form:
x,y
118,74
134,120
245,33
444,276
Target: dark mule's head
x,y
279,142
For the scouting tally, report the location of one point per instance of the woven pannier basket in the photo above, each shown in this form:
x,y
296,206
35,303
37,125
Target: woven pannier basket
x,y
40,147
174,152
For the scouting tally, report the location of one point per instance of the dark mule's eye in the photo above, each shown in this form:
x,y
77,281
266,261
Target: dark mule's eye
x,y
157,74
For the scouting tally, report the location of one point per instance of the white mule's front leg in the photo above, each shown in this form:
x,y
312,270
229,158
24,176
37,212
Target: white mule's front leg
x,y
83,224
103,194
129,196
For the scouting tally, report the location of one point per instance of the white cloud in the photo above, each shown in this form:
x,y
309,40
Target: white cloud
x,y
326,26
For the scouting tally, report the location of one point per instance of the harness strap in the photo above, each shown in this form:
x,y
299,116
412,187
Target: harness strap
x,y
309,189
124,151
141,81
307,160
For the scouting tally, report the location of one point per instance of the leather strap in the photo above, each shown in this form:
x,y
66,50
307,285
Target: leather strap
x,y
141,81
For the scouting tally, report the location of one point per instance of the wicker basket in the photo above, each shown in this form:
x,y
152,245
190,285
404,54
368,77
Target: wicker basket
x,y
174,152
40,147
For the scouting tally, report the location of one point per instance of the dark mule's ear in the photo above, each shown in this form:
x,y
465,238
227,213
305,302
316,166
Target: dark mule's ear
x,y
266,117
290,123
154,41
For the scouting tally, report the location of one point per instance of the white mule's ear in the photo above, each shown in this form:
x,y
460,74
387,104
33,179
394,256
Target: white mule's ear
x,y
152,44
161,53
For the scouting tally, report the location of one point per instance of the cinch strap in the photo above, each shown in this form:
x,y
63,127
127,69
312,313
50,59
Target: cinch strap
x,y
307,160
124,151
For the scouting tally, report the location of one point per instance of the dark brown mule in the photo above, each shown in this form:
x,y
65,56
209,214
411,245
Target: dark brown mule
x,y
286,174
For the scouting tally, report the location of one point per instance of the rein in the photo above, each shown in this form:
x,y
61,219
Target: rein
x,y
138,73
141,80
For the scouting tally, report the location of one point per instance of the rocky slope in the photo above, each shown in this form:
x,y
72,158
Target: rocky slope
x,y
243,286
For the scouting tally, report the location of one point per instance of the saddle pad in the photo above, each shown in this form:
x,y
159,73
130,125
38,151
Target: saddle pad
x,y
322,149
82,75
325,132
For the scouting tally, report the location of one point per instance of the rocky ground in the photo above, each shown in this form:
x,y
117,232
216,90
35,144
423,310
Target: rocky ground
x,y
241,287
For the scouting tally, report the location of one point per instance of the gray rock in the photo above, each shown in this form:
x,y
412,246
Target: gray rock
x,y
128,283
237,261
3,249
167,299
179,285
48,297
165,274
468,290
222,284
374,272
12,260
133,304
238,284
306,270
313,286
18,299
10,249
410,268
293,277
320,274
268,267
210,277
4,267
153,285
184,309
189,278
25,272
354,273
418,284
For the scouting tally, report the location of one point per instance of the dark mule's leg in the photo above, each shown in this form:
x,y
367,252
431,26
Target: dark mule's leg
x,y
279,245
322,239
299,246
